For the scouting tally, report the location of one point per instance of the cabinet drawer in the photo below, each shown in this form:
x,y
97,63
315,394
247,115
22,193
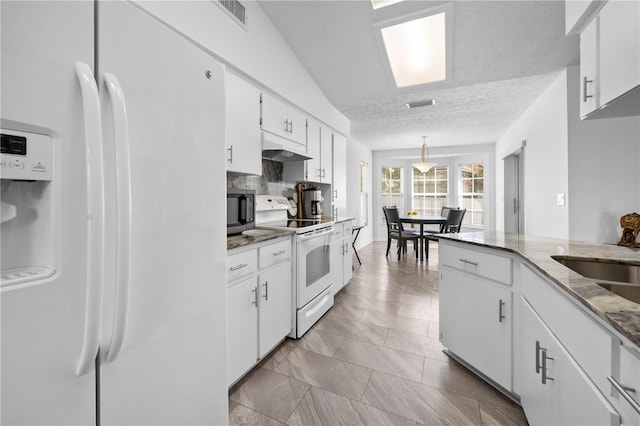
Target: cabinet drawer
x,y
629,380
274,253
241,264
586,341
476,262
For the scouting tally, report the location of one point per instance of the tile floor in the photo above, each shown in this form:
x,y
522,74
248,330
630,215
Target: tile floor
x,y
373,359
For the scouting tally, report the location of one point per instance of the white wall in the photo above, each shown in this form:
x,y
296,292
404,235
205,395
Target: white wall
x,y
259,52
544,127
356,153
594,162
604,171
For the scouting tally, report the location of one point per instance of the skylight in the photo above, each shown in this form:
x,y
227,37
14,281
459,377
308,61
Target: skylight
x,y
417,50
377,4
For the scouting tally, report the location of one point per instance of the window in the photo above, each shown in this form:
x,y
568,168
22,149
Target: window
x,y
430,190
472,193
391,187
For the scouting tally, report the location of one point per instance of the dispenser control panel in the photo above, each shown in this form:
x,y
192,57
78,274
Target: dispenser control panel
x,y
26,156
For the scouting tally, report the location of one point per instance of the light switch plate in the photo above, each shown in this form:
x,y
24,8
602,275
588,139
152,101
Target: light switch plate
x,y
561,199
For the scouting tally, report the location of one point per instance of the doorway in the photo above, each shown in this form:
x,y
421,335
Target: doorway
x,y
514,192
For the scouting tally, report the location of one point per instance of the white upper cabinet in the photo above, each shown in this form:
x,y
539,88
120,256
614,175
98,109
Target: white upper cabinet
x,y
619,49
577,13
242,99
320,148
283,120
610,61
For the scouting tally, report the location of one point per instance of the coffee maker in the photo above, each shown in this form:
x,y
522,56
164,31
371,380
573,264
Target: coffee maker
x,y
311,202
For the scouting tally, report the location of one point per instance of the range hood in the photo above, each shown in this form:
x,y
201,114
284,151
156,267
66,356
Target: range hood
x,y
276,148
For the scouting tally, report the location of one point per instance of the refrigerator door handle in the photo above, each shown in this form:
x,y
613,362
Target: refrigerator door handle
x,y
95,217
123,197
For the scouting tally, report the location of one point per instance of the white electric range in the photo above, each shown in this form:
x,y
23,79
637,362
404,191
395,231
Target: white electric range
x,y
312,266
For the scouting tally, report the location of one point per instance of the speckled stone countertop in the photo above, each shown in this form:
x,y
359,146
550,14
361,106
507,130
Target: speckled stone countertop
x,y
343,219
254,236
621,314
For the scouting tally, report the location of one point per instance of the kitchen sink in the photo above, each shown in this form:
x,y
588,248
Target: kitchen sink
x,y
623,278
602,270
628,291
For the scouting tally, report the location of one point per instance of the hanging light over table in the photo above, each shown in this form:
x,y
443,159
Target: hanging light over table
x,y
424,166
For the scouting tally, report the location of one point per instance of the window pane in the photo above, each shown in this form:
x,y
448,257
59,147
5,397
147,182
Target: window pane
x,y
442,186
479,185
430,187
467,186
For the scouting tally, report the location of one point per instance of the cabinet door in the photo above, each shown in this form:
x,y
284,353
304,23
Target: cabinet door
x,y
326,156
242,328
313,150
619,49
275,306
274,116
588,66
475,323
555,390
340,174
297,127
347,271
243,126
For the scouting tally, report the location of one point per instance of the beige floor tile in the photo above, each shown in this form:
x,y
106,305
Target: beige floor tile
x,y
423,404
347,311
324,408
320,342
416,344
241,415
453,377
497,415
354,329
378,358
395,321
272,394
325,372
277,355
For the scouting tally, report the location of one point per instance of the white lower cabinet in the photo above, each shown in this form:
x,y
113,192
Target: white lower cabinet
x,y
480,330
259,303
554,389
341,254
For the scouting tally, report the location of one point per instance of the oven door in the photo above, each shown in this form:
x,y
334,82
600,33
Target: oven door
x,y
314,264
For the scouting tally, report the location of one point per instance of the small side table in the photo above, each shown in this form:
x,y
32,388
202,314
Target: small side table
x,y
355,232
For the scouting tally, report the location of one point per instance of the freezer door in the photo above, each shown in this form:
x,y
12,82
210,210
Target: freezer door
x,y
172,365
42,321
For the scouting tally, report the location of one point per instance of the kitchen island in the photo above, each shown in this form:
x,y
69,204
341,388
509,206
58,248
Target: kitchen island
x,y
564,346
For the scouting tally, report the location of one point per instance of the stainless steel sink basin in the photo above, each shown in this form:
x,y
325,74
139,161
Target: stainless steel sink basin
x,y
602,270
628,291
623,278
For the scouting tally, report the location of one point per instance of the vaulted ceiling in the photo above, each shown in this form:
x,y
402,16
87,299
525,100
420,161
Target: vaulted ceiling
x,y
504,54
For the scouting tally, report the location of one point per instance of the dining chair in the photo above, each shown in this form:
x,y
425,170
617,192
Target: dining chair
x,y
455,216
444,212
395,231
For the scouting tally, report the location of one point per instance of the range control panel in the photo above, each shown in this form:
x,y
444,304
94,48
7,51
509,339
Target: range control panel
x,y
25,156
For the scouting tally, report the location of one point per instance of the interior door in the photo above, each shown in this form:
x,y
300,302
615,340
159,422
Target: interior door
x,y
42,321
514,193
172,366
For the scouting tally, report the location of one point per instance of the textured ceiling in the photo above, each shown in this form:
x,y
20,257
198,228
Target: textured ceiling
x,y
505,53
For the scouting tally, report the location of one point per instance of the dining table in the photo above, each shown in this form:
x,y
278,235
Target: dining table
x,y
423,220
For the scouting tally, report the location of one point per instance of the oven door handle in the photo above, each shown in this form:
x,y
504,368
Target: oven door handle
x,y
315,235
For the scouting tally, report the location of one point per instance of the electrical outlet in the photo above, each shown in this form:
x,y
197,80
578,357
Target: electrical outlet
x,y
561,199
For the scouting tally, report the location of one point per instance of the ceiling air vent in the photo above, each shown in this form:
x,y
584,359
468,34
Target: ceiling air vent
x,y
235,9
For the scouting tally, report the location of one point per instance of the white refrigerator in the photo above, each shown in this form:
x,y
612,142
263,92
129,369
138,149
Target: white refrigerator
x,y
117,315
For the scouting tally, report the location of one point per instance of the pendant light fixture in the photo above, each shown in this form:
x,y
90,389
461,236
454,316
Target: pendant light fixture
x,y
424,166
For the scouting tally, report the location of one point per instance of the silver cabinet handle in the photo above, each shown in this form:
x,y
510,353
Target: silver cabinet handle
x,y
286,126
266,290
469,262
319,172
240,266
323,172
501,315
291,126
544,366
230,159
584,89
538,357
624,391
278,253
255,297
335,194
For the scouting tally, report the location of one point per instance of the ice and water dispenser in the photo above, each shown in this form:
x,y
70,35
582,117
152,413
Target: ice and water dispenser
x,y
27,207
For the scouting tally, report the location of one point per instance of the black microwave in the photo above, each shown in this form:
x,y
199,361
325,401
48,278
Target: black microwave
x,y
241,210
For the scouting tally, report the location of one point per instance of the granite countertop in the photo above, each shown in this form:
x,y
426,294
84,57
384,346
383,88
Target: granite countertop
x,y
343,219
621,314
254,236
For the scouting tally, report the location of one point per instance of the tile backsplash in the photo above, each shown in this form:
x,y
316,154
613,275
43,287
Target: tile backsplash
x,y
271,182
